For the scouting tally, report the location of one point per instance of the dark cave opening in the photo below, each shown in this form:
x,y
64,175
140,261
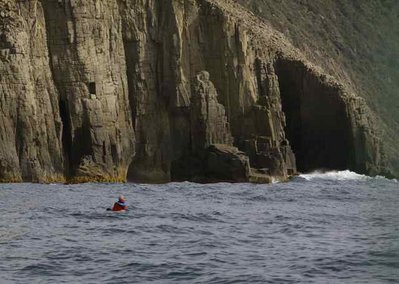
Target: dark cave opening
x,y
317,123
76,143
66,135
92,88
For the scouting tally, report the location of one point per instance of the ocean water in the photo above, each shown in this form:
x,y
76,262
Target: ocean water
x,y
337,227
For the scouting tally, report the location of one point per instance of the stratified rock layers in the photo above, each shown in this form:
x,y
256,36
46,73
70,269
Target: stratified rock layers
x,y
155,91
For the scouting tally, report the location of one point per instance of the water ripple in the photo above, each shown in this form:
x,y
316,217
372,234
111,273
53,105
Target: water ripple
x,y
321,228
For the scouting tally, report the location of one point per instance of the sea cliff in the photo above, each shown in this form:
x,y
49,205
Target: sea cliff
x,y
158,91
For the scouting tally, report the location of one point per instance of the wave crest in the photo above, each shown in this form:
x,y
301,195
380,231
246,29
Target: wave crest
x,y
338,175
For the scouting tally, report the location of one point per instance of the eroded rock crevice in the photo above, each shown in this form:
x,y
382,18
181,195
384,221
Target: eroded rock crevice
x,y
66,137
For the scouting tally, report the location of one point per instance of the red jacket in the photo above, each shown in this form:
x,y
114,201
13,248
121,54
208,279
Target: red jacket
x,y
118,207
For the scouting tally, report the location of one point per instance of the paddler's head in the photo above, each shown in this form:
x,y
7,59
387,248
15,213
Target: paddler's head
x,y
121,198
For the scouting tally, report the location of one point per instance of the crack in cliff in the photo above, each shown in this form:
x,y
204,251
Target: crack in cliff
x,y
64,128
128,47
66,136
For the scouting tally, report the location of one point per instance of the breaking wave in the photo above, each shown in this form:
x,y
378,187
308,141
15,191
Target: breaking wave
x,y
340,175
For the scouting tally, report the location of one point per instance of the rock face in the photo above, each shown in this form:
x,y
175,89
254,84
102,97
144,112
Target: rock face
x,y
209,124
154,91
87,60
30,124
356,42
211,156
226,163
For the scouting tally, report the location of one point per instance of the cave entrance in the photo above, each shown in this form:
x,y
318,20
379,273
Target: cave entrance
x,y
317,123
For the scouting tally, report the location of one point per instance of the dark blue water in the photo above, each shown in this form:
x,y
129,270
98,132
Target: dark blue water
x,y
321,228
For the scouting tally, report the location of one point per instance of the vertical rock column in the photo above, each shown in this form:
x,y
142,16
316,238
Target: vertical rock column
x,y
157,47
263,135
369,156
30,126
209,123
212,156
228,56
143,51
89,69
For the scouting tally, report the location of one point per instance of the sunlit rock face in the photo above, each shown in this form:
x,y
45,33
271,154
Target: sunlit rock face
x,y
154,91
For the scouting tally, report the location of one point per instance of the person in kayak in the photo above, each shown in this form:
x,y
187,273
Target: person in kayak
x,y
120,205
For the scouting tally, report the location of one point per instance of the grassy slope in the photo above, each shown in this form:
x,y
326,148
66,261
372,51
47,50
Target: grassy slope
x,y
354,40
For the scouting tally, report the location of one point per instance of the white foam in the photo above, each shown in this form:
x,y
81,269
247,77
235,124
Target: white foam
x,y
275,180
384,178
342,175
334,175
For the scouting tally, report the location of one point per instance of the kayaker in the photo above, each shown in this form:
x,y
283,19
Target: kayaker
x,y
120,205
